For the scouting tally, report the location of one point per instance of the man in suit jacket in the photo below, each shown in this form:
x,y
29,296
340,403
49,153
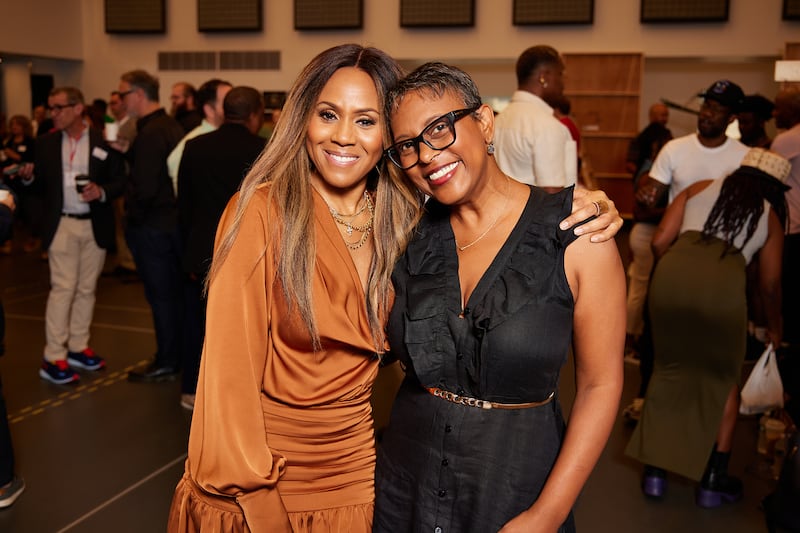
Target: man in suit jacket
x,y
77,228
210,171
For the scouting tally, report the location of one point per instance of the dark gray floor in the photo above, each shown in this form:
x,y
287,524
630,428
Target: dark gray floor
x,y
104,456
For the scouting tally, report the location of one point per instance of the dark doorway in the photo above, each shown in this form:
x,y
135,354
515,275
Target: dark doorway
x,y
41,84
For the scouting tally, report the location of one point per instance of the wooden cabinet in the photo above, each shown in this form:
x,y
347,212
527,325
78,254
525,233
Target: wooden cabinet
x,y
604,90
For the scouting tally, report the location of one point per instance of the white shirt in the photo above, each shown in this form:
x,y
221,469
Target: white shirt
x,y
684,161
174,157
699,206
533,146
787,144
74,162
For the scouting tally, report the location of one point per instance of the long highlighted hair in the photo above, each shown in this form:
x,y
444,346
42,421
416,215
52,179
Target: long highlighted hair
x,y
286,165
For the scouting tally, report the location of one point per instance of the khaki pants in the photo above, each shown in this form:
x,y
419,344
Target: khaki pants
x,y
639,273
76,262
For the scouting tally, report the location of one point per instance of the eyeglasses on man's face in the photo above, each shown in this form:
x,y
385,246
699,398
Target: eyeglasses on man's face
x,y
58,108
438,135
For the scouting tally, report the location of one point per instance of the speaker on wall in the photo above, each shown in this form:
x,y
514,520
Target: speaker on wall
x,y
229,15
553,12
328,14
684,10
135,16
424,13
791,9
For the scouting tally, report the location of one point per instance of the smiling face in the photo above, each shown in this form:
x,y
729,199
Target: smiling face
x,y
344,137
454,174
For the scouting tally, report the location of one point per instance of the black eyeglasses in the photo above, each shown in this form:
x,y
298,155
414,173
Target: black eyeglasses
x,y
59,107
438,135
123,94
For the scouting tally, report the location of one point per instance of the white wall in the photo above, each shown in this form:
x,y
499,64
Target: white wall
x,y
74,29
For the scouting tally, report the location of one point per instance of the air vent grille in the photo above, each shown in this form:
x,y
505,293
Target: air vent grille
x,y
250,60
187,61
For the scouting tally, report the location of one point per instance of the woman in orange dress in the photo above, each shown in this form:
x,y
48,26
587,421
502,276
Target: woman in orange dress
x,y
282,433
282,437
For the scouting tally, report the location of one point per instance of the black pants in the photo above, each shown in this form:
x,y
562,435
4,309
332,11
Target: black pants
x,y
194,330
157,256
791,288
6,449
790,360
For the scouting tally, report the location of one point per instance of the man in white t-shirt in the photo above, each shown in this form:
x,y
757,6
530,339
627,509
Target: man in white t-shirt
x,y
706,154
532,146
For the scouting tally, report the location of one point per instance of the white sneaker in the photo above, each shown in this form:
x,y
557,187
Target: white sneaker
x,y
187,401
11,491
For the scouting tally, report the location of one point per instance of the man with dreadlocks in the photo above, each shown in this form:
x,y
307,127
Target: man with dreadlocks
x,y
697,306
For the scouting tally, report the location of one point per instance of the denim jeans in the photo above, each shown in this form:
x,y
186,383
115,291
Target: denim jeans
x,y
157,256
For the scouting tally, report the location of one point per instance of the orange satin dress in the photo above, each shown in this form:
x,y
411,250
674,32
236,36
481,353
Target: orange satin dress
x,y
282,436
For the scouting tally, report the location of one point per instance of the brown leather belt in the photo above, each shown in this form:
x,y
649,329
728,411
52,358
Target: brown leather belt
x,y
485,404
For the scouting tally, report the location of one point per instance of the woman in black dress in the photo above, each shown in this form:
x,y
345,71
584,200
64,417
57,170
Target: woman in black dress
x,y
489,295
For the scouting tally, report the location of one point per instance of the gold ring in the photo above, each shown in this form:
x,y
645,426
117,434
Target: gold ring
x,y
601,207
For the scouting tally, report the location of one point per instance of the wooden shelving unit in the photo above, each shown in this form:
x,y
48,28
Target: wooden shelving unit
x,y
604,90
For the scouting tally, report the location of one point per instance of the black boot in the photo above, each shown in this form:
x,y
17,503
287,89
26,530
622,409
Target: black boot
x,y
654,481
717,486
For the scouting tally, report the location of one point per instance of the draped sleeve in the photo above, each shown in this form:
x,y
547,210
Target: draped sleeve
x,y
229,454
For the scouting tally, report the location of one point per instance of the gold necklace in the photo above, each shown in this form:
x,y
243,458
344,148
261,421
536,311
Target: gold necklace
x,y
365,228
496,220
360,210
348,224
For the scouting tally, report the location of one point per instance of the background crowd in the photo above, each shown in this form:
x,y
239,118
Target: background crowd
x,y
148,186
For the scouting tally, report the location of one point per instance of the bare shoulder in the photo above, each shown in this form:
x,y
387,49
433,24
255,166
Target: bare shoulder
x,y
594,263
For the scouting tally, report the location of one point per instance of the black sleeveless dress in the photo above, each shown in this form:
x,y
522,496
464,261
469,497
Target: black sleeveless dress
x,y
445,467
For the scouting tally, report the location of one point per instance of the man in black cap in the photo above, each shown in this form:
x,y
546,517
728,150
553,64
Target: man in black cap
x,y
707,154
704,155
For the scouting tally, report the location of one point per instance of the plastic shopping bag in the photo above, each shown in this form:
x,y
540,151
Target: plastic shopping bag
x,y
763,389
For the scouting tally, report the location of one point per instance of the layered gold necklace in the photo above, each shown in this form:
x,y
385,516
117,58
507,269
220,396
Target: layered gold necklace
x,y
348,221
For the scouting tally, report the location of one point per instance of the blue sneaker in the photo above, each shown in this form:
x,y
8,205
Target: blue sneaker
x,y
59,372
11,491
87,360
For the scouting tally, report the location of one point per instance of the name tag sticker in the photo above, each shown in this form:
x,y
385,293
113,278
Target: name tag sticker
x,y
99,153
